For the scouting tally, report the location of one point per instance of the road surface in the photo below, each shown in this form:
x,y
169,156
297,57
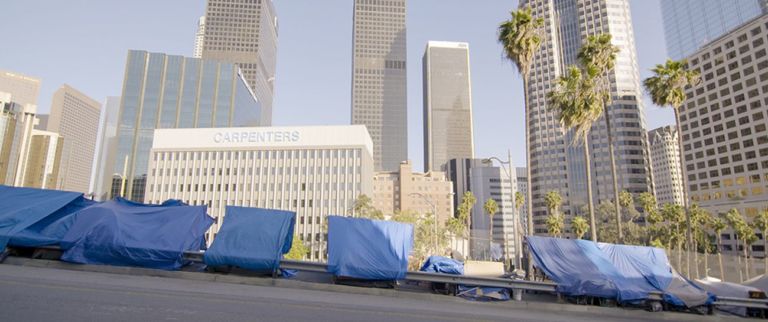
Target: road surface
x,y
45,294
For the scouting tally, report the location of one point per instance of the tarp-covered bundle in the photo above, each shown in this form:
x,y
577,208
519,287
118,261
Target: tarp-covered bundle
x,y
252,238
760,282
624,273
21,208
124,233
51,229
726,289
368,249
440,264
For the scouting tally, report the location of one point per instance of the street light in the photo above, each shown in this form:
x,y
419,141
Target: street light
x,y
434,213
515,215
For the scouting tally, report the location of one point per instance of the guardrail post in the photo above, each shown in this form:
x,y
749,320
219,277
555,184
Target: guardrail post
x,y
517,294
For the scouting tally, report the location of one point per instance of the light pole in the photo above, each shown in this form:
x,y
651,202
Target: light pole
x,y
434,213
515,215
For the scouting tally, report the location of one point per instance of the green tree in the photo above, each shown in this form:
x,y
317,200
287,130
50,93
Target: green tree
x,y
597,57
578,106
761,223
298,249
675,217
740,227
579,226
491,208
667,88
554,221
718,225
464,211
606,216
364,209
520,38
555,225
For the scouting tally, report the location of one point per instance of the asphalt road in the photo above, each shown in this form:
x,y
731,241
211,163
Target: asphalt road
x,y
42,294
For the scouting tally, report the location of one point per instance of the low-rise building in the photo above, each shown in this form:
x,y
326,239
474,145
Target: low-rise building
x,y
405,190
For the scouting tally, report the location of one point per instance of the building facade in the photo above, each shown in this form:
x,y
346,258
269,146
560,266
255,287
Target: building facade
x,y
689,24
489,182
405,190
379,78
557,164
199,38
75,116
16,124
665,158
244,32
106,138
315,171
457,171
24,89
448,130
43,163
723,122
165,91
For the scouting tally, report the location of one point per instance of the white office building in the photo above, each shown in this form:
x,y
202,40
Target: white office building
x,y
315,171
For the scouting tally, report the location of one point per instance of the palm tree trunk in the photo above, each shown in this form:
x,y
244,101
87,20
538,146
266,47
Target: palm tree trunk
x,y
720,258
685,183
490,238
746,261
588,166
607,117
696,258
706,258
765,253
738,261
529,197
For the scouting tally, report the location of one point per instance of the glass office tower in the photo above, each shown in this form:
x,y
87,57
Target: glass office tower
x,y
165,91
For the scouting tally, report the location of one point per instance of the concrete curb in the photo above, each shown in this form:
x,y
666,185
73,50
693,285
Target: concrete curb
x,y
294,284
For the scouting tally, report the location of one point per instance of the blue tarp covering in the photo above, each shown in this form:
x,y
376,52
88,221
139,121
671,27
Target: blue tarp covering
x,y
23,207
440,264
621,272
124,233
51,229
252,238
368,249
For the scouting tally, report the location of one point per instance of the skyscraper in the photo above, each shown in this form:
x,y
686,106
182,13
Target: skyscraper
x,y
43,163
199,38
16,123
447,104
689,24
244,32
75,116
379,78
24,89
556,162
665,157
164,91
105,139
490,182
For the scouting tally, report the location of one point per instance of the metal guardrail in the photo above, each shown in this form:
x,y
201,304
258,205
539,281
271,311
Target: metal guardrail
x,y
742,302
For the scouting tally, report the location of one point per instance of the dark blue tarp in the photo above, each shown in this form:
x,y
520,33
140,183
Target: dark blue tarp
x,y
51,229
124,233
368,249
252,238
624,273
23,207
440,264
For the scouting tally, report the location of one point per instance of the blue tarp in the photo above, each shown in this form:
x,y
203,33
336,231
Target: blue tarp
x,y
368,249
440,264
51,229
23,207
624,273
119,232
252,238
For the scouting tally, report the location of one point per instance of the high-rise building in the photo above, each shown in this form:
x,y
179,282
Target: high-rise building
x,y
723,122
42,122
24,89
16,124
379,78
405,190
75,116
199,38
42,169
106,138
244,32
557,164
689,24
457,171
315,171
165,91
447,104
489,182
665,158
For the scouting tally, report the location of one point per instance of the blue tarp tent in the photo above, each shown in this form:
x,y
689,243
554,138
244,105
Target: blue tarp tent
x,y
252,238
120,232
23,207
368,249
51,229
624,273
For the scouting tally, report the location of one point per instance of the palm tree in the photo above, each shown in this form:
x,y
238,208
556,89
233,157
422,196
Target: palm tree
x,y
554,222
737,224
761,223
578,107
597,57
554,225
490,207
579,226
718,225
520,38
667,88
698,217
674,215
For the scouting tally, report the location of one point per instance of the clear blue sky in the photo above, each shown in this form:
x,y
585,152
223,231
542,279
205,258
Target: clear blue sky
x,y
83,43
